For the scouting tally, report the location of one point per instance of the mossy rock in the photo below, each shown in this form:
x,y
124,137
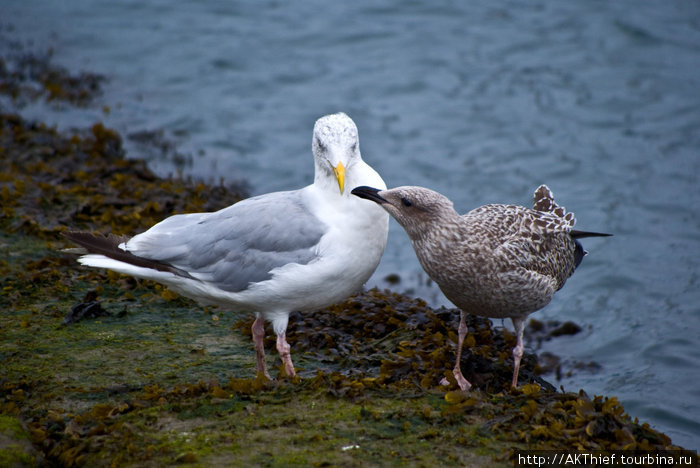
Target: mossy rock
x,y
16,448
153,379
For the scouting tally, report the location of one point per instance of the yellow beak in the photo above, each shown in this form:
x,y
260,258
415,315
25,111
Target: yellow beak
x,y
339,172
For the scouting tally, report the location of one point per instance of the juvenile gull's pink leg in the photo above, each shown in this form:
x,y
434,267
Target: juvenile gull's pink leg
x,y
285,353
258,330
519,325
461,334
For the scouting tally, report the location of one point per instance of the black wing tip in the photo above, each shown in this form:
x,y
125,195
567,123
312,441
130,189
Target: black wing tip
x,y
108,245
581,234
96,243
72,235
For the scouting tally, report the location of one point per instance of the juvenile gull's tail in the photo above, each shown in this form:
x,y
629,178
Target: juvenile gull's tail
x,y
544,201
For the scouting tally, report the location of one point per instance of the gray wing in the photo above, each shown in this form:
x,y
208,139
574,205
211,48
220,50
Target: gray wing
x,y
238,245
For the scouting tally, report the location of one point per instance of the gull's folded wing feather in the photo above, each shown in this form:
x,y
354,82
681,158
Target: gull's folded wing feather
x,y
238,245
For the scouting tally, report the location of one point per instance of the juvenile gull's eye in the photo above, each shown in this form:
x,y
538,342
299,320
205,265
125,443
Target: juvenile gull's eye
x,y
406,201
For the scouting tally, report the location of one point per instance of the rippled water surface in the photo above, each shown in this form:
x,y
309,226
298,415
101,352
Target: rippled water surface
x,y
482,101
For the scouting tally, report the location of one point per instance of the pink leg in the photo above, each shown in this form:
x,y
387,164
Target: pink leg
x,y
461,334
258,330
285,353
519,325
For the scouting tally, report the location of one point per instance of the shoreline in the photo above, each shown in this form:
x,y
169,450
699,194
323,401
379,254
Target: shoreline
x,y
155,379
100,368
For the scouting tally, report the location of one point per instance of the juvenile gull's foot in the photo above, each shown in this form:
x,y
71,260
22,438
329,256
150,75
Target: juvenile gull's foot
x,y
463,383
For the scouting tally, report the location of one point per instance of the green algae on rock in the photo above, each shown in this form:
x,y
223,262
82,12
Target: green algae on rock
x,y
16,448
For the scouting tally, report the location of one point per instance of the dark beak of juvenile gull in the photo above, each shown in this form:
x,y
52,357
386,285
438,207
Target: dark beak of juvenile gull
x,y
369,193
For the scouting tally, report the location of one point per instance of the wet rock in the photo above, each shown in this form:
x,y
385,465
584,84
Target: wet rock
x,y
27,76
84,311
392,279
566,328
548,363
538,331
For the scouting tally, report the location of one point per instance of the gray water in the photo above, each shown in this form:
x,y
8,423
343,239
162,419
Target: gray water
x,y
482,101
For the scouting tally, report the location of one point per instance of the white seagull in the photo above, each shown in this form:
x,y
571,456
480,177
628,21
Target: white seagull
x,y
271,254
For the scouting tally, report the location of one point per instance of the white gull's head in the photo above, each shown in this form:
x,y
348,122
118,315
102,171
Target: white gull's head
x,y
336,148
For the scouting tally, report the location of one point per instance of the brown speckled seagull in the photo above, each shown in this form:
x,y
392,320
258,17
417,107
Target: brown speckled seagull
x,y
496,261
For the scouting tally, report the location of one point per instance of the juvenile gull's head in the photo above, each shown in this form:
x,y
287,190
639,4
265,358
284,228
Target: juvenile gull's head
x,y
336,148
415,208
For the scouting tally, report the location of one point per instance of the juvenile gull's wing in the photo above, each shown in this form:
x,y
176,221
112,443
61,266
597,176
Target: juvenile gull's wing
x,y
238,245
537,241
504,223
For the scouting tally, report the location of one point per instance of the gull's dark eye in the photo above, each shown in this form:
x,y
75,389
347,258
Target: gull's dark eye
x,y
406,201
320,144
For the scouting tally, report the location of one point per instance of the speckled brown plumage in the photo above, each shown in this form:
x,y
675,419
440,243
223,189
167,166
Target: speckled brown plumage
x,y
495,261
